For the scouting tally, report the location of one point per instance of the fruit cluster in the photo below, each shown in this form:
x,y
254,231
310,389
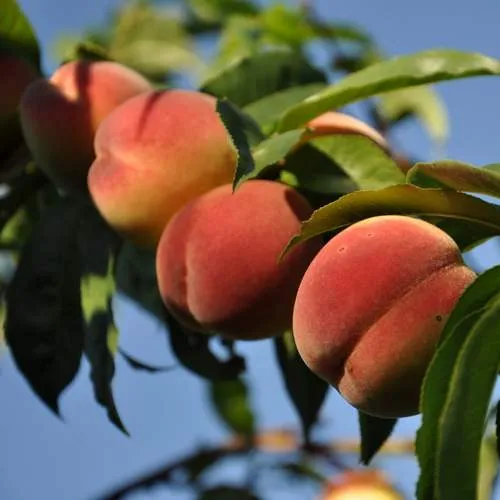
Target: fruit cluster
x,y
366,309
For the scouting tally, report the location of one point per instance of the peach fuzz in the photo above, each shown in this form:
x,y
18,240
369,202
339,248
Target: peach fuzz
x,y
334,122
371,308
60,116
17,73
155,153
217,261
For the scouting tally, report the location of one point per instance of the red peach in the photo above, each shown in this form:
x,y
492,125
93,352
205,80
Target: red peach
x,y
60,116
217,261
155,153
371,308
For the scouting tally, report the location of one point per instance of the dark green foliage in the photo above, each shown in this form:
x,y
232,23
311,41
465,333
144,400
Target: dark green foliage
x,y
306,390
374,433
44,325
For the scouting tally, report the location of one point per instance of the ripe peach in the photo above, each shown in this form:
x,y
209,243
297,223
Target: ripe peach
x,y
217,261
361,485
371,307
60,116
154,154
334,122
17,74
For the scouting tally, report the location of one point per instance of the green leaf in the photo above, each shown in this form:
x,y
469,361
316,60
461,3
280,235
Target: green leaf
x,y
230,401
44,325
219,10
134,363
227,493
343,32
305,389
312,171
392,74
101,337
302,471
497,428
488,468
399,200
235,126
270,152
70,49
100,346
135,276
456,393
286,25
253,77
192,350
374,433
423,103
455,175
16,33
267,110
467,234
369,166
152,40
239,38
98,248
21,191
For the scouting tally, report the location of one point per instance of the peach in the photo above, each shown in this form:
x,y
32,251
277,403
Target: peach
x,y
17,74
361,485
334,122
155,153
60,116
371,308
217,261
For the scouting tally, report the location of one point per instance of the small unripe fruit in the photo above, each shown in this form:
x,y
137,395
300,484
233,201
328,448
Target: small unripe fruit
x,y
217,261
334,122
155,153
60,116
17,74
371,308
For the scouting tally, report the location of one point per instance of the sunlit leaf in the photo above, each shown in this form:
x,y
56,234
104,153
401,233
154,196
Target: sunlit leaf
x,y
230,400
267,111
456,175
488,468
368,165
421,102
392,74
456,393
399,200
270,152
253,77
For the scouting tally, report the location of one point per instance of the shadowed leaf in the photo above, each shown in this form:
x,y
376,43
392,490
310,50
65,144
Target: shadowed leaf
x,y
374,433
44,325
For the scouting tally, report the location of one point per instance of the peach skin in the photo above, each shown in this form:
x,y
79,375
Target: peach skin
x,y
155,153
60,116
217,261
371,307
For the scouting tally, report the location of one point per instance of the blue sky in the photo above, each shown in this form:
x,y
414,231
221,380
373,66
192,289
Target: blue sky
x,y
167,415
